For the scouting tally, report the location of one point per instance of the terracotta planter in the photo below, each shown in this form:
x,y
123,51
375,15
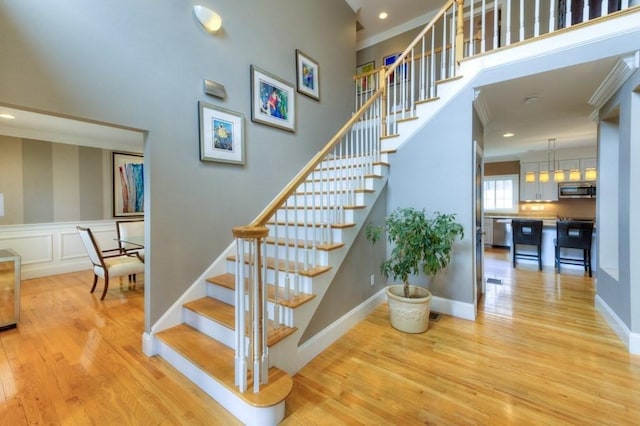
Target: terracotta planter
x,y
410,315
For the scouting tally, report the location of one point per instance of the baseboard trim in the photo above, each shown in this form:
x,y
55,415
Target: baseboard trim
x,y
318,343
454,308
149,348
629,338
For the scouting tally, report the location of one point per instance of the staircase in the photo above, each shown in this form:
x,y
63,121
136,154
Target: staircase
x,y
279,267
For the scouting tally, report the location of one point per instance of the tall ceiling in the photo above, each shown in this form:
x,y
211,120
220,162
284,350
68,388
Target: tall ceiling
x,y
544,106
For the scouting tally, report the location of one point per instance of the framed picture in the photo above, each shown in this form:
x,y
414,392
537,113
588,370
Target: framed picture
x,y
402,69
308,75
367,83
128,184
221,134
272,100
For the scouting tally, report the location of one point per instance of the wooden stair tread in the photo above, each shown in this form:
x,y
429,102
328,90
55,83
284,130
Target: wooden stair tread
x,y
282,266
394,135
402,120
305,207
331,179
225,314
333,225
303,244
217,360
229,281
426,101
340,191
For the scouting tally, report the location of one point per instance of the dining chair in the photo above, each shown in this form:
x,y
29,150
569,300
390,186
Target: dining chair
x,y
130,228
108,263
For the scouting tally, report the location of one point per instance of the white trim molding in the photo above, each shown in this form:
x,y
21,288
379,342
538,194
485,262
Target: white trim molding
x,y
620,72
629,338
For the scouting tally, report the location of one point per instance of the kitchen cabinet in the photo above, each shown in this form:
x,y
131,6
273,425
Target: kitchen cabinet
x,y
588,164
536,190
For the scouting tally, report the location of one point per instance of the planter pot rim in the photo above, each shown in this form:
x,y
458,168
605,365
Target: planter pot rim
x,y
397,292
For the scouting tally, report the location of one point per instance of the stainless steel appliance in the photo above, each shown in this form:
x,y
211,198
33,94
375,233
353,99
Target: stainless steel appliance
x,y
577,190
502,232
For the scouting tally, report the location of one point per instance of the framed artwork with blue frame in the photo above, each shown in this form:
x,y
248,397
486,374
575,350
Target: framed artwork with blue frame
x,y
308,75
389,60
128,184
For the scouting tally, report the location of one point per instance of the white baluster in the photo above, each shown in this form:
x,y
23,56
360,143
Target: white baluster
x,y
240,354
552,15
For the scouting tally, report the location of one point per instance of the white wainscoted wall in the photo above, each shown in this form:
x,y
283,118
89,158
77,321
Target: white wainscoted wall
x,y
54,248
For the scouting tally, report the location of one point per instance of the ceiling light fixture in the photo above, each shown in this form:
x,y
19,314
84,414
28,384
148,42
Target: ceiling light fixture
x,y
508,135
530,99
383,15
7,116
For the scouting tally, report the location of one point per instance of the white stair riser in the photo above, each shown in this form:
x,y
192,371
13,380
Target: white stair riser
x,y
357,168
356,182
283,278
213,329
332,215
327,199
321,234
301,254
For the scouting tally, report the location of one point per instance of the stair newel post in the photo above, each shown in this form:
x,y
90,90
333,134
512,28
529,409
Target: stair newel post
x,y
382,81
257,314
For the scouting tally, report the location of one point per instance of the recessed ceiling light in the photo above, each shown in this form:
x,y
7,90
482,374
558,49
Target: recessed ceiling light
x,y
383,15
508,135
530,99
7,116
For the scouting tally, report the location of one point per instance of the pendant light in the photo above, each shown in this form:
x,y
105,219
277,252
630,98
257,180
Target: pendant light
x,y
543,177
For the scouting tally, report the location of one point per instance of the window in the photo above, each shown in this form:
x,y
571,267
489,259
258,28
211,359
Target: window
x,y
500,193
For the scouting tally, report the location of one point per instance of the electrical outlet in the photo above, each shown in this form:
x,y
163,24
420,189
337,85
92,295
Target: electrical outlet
x,y
373,280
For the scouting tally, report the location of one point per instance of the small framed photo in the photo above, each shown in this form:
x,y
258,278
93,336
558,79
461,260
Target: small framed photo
x,y
402,69
128,184
221,134
365,80
308,75
272,100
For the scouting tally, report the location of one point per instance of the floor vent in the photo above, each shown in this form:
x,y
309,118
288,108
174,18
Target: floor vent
x,y
497,281
434,316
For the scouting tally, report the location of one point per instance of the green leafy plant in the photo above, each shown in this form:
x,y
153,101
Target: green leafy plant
x,y
421,243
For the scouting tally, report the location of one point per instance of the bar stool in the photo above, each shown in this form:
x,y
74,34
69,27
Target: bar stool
x,y
527,232
575,234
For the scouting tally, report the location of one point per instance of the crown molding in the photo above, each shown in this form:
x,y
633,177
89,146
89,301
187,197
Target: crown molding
x,y
620,72
482,107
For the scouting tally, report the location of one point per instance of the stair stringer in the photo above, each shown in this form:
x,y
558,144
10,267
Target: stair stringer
x,y
286,354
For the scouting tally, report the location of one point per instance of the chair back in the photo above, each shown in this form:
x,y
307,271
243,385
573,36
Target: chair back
x,y
574,234
129,228
527,231
91,245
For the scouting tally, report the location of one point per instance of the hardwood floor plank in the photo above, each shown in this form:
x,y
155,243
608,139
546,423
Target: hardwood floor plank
x,y
538,353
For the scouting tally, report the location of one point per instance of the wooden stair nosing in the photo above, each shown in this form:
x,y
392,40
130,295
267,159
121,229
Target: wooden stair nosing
x,y
306,207
290,266
303,244
217,361
340,191
225,315
228,281
319,225
393,135
332,179
427,100
402,120
449,79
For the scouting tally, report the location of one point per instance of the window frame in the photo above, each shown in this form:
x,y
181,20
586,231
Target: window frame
x,y
515,179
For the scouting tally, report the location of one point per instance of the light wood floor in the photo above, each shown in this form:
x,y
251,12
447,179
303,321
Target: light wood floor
x,y
538,354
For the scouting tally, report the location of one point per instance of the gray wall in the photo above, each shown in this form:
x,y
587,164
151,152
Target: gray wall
x,y
621,174
46,182
434,170
142,64
352,283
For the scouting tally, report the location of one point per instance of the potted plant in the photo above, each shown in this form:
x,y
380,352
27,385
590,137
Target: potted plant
x,y
421,243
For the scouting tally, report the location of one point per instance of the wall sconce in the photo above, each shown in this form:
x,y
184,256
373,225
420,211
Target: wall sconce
x,y
574,174
530,177
590,174
209,19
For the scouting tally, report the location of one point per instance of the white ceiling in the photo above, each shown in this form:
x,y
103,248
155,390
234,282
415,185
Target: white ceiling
x,y
51,128
560,110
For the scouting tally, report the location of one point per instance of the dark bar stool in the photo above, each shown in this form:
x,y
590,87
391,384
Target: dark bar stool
x,y
575,234
527,232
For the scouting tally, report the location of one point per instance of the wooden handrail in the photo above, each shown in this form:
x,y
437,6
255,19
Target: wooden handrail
x,y
281,198
418,38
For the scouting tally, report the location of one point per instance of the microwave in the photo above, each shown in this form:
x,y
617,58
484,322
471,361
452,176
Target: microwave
x,y
577,190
